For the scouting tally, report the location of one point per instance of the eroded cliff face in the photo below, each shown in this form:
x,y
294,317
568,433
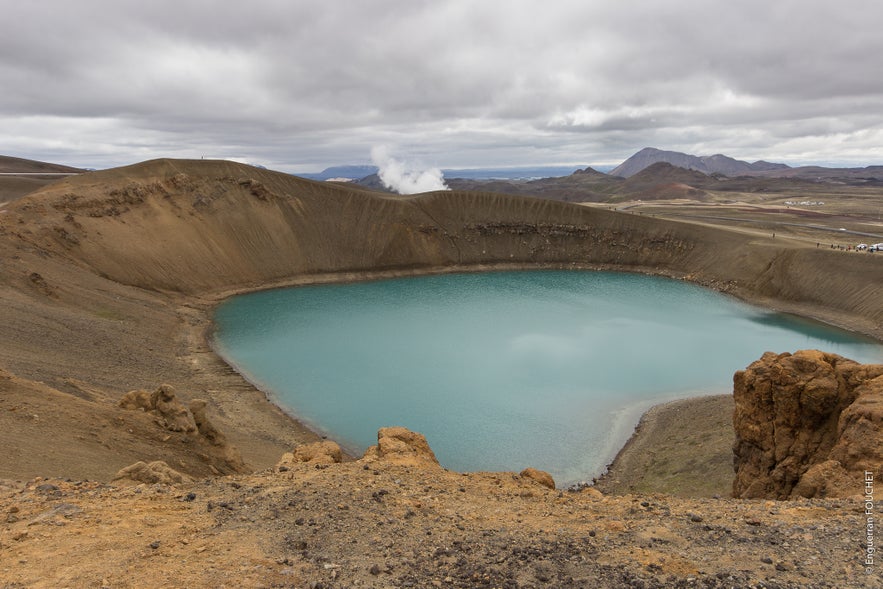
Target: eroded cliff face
x,y
807,424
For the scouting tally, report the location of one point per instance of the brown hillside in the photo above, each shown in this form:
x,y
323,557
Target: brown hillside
x,y
13,165
674,190
13,187
662,173
198,227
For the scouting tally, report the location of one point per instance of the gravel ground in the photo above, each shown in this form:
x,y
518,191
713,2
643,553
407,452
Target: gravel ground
x,y
383,525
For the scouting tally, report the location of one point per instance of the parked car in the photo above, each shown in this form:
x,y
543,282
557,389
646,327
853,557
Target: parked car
x,y
861,247
877,247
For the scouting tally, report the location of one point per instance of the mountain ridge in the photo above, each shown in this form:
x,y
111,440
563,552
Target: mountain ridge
x,y
17,165
19,176
708,164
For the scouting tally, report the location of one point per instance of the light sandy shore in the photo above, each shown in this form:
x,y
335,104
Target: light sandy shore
x,y
682,448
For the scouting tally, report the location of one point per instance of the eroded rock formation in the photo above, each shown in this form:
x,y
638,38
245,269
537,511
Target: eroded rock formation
x,y
170,414
807,424
324,452
400,445
163,403
540,476
152,472
227,452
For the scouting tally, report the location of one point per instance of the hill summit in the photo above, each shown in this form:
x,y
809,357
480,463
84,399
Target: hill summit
x,y
707,164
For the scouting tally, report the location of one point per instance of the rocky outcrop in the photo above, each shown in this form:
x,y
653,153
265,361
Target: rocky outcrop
x,y
205,427
207,430
163,403
399,445
324,452
170,414
807,424
539,476
153,472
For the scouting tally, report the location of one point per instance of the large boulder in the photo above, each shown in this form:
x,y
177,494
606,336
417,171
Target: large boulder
x,y
324,452
399,445
807,424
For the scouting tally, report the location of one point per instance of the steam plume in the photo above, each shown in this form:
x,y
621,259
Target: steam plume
x,y
396,176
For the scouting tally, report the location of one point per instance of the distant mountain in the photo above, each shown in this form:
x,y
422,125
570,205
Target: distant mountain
x,y
665,173
17,165
584,185
353,172
665,181
516,173
20,176
358,172
867,176
708,164
372,182
590,173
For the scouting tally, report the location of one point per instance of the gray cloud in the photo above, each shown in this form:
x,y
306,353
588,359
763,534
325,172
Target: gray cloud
x,y
298,85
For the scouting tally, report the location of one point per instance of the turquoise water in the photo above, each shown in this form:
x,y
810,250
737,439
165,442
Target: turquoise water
x,y
500,371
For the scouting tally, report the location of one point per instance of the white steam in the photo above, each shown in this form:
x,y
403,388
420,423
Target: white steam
x,y
396,176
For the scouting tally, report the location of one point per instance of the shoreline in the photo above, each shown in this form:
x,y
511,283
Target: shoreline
x,y
681,447
270,396
841,320
643,435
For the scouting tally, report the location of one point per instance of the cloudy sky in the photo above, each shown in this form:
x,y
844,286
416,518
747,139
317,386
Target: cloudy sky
x,y
298,85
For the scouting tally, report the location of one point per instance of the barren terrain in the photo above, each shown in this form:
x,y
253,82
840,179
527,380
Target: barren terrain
x,y
108,280
19,176
380,524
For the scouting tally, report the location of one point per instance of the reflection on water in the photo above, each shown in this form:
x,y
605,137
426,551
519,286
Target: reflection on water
x,y
809,328
505,370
